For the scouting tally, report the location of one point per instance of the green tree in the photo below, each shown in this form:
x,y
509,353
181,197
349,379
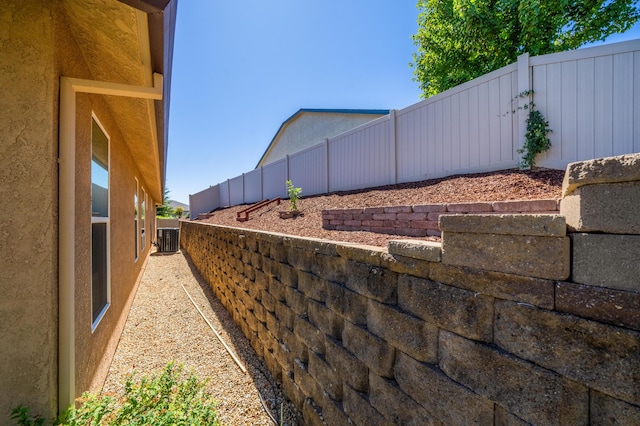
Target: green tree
x,y
178,212
459,40
165,209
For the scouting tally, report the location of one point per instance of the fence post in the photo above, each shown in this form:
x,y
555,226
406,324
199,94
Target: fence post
x,y
244,201
229,192
394,144
326,153
524,85
261,183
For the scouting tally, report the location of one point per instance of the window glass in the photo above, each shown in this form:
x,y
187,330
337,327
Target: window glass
x,y
99,222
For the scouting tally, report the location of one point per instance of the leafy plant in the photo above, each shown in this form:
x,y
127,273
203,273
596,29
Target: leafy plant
x,y
536,140
164,399
178,212
294,195
22,417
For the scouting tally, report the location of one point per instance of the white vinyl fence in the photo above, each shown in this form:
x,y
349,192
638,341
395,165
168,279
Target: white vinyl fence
x,y
591,98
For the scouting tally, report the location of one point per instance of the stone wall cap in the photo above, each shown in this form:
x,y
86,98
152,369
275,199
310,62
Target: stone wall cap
x,y
425,250
622,168
545,225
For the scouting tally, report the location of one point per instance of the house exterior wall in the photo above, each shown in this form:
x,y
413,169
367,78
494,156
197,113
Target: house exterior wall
x,y
37,47
28,219
311,128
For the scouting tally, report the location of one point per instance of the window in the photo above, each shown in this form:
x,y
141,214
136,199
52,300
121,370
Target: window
x,y
135,218
143,211
100,288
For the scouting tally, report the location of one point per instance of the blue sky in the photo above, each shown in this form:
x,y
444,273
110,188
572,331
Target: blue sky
x,y
242,68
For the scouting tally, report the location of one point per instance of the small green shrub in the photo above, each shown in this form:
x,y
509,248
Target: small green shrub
x,y
294,195
22,417
163,399
536,140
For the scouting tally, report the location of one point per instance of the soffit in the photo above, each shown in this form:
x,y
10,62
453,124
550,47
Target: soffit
x,y
113,39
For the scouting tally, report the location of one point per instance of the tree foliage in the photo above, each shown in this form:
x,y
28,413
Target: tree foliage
x,y
459,40
165,209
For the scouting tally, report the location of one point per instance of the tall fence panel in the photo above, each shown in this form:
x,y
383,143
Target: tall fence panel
x,y
274,177
204,201
225,196
470,127
362,157
236,190
308,169
591,98
253,186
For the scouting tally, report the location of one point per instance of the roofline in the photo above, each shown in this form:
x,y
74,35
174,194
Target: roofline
x,y
321,110
161,15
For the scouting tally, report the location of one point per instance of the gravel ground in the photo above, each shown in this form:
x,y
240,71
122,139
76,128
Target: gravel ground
x,y
504,185
163,325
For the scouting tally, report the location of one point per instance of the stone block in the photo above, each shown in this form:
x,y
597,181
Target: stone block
x,y
469,207
272,365
533,256
268,301
312,286
333,413
300,259
429,208
288,276
359,409
536,395
525,206
451,308
398,209
361,253
621,308
350,368
308,334
326,376
406,265
440,395
375,353
331,268
292,390
407,333
276,289
294,345
534,291
411,216
609,208
603,357
425,250
283,356
308,385
607,260
506,224
325,319
285,315
372,281
347,303
296,300
610,411
387,398
621,168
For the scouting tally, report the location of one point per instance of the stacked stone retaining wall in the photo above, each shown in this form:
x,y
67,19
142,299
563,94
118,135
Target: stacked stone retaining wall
x,y
504,322
422,220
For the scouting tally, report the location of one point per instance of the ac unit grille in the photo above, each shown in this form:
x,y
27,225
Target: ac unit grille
x,y
168,239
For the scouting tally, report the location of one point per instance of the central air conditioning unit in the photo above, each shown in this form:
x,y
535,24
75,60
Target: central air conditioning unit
x,y
168,239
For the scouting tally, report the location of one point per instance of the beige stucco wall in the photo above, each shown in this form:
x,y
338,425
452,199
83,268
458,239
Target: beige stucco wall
x,y
28,218
311,128
37,46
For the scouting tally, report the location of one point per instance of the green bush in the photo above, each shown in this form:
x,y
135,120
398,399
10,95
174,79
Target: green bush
x,y
163,399
294,196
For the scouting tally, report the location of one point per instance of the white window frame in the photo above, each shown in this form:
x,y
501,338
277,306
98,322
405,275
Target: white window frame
x,y
107,221
136,224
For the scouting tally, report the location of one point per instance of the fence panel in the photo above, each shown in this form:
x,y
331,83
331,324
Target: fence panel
x,y
204,201
224,194
308,169
253,186
363,157
274,178
470,127
590,98
236,190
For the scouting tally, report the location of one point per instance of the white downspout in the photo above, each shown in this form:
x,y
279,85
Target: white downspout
x,y
66,214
